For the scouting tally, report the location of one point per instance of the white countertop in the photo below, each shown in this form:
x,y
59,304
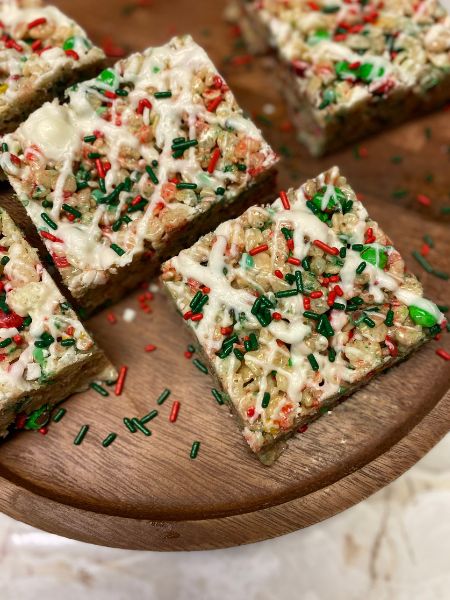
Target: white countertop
x,y
393,546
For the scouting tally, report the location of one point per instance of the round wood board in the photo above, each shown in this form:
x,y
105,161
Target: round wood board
x,y
146,493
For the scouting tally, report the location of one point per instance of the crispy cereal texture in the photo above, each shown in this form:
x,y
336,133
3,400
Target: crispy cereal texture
x,y
297,304
45,352
349,68
140,162
41,52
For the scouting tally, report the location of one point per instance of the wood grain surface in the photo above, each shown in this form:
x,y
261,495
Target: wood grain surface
x,y
147,493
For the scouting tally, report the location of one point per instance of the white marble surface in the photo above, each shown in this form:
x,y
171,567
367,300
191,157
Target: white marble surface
x,y
393,546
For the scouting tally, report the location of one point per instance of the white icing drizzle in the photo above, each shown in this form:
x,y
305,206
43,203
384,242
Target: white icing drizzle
x,y
58,132
226,263
49,63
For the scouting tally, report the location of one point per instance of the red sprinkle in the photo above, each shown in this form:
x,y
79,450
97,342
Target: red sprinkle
x,y
278,274
99,167
197,317
393,350
423,200
60,261
331,298
285,200
290,244
17,339
150,348
51,237
37,22
120,380
226,330
74,55
294,261
188,354
277,316
334,278
326,248
306,303
425,250
338,290
174,412
258,249
111,318
142,105
211,106
315,295
302,429
251,412
443,353
214,160
43,430
36,45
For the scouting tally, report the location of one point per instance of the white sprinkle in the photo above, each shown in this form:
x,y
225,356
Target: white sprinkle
x,y
153,287
129,315
269,109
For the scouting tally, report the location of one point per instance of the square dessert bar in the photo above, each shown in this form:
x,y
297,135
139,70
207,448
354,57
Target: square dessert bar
x,y
140,162
41,52
45,352
348,67
297,304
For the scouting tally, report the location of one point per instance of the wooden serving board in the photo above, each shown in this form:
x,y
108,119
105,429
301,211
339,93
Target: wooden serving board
x,y
147,493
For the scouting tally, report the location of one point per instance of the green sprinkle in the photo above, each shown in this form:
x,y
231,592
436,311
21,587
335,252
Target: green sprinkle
x,y
358,247
313,362
71,210
441,274
299,282
99,389
217,396
49,221
338,306
220,191
129,425
238,354
286,293
59,415
443,308
368,321
4,261
5,147
397,159
109,440
89,139
331,354
309,314
117,249
200,366
148,417
68,342
445,210
265,400
399,193
428,240
191,348
324,326
140,427
81,435
343,252
163,396
306,263
194,450
389,320
360,268
198,296
422,261
151,174
186,186
160,95
5,342
94,155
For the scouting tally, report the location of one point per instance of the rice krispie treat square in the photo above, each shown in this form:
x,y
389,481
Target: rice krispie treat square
x,y
41,53
297,304
349,68
139,163
45,352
